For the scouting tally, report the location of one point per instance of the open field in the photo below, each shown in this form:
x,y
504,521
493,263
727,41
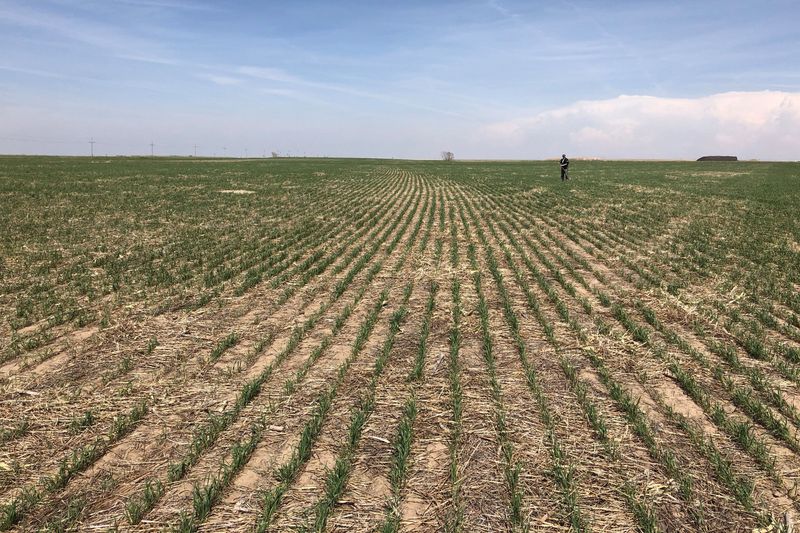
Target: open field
x,y
391,345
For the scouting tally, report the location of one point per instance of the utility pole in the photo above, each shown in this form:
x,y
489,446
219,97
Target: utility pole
x,y
91,143
151,148
195,150
224,151
245,153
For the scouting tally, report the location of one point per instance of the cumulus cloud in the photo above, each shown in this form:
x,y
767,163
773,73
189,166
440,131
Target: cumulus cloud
x,y
762,125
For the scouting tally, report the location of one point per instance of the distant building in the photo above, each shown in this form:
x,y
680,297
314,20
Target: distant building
x,y
718,158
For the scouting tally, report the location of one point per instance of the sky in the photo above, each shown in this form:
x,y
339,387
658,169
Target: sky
x,y
490,79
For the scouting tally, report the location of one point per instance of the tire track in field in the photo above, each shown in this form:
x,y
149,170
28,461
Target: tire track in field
x,y
427,499
427,493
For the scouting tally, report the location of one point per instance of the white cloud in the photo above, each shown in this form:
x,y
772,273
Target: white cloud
x,y
747,124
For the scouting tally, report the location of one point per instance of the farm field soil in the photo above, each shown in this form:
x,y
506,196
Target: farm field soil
x,y
376,345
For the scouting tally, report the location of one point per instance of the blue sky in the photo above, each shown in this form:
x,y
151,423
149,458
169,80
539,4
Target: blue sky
x,y
484,79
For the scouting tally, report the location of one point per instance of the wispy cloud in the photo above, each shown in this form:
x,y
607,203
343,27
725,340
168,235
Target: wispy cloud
x,y
114,40
267,73
220,80
35,72
500,8
171,4
279,75
296,96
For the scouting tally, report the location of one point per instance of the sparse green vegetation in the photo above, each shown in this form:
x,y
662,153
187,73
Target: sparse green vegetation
x,y
319,344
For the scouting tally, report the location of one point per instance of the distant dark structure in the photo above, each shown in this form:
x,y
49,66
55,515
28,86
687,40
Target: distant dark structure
x,y
719,158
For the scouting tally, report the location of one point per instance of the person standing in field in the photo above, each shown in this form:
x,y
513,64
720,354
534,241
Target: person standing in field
x,y
564,167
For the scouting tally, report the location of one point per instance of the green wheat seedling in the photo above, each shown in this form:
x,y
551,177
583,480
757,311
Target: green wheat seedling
x,y
741,396
453,240
713,252
204,497
510,464
224,344
78,461
419,361
643,512
251,389
454,518
288,471
738,431
14,511
78,424
122,425
67,519
279,274
336,479
402,445
138,505
401,450
207,435
635,416
562,469
741,487
596,419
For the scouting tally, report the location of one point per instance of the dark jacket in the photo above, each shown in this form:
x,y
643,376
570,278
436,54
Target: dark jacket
x,y
564,163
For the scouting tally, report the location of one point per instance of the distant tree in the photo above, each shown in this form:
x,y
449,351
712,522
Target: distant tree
x,y
275,154
448,156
